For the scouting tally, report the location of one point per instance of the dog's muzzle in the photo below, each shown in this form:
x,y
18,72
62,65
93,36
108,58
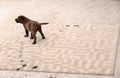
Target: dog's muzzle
x,y
16,20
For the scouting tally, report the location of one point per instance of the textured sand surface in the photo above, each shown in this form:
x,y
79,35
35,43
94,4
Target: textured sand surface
x,y
75,41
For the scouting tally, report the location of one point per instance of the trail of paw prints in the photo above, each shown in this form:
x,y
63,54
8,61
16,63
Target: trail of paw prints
x,y
72,25
62,30
24,65
21,67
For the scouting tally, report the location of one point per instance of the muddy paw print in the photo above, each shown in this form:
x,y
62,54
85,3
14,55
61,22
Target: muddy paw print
x,y
76,25
21,60
51,77
34,67
18,69
24,65
67,25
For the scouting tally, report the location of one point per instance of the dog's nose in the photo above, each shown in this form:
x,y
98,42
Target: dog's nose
x,y
16,20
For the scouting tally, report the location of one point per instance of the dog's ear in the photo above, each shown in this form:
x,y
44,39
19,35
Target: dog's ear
x,y
22,18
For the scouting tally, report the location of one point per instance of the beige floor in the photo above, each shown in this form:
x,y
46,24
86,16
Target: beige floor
x,y
92,12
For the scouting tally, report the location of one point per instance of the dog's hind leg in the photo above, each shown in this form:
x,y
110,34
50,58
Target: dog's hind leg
x,y
34,36
31,36
40,30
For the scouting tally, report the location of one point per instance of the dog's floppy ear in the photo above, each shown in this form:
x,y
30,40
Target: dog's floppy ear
x,y
22,19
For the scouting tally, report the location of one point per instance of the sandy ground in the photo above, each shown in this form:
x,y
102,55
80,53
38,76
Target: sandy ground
x,y
78,12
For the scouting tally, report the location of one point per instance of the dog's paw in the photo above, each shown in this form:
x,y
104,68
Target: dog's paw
x,y
43,37
31,37
25,35
34,43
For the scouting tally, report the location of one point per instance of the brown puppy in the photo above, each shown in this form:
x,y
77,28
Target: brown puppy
x,y
32,26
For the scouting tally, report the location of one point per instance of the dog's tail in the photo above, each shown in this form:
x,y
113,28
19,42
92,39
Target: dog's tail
x,y
43,23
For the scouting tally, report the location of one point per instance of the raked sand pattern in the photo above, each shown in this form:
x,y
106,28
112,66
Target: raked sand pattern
x,y
71,45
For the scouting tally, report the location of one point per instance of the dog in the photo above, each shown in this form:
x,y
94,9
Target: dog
x,y
30,26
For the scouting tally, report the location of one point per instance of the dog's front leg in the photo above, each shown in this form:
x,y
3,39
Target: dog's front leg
x,y
31,36
27,34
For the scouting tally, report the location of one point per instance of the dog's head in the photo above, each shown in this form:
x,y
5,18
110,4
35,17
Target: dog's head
x,y
21,19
